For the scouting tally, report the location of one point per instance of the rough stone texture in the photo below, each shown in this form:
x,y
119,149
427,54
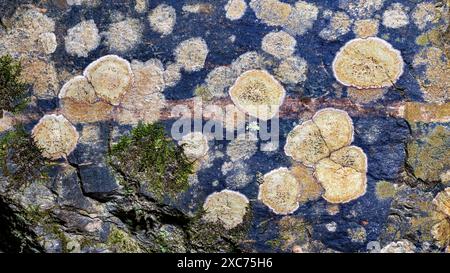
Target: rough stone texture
x,y
396,201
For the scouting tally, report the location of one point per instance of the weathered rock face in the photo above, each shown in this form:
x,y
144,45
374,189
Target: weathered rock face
x,y
225,126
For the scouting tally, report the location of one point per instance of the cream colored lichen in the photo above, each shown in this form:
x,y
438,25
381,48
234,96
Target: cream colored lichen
x,y
395,16
195,145
336,127
322,143
280,191
111,77
235,9
47,42
292,70
368,63
226,207
191,54
219,80
424,14
341,184
366,28
305,144
340,24
82,38
124,35
258,93
162,19
279,44
302,18
271,12
55,136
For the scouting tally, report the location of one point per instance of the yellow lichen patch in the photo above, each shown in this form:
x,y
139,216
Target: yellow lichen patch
x,y
195,145
352,157
341,184
310,189
305,144
441,232
427,112
442,201
79,103
368,63
366,28
280,191
429,155
226,207
385,190
111,77
271,12
336,127
435,82
258,93
55,136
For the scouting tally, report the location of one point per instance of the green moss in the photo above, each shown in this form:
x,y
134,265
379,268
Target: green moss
x,y
149,156
21,160
121,242
13,91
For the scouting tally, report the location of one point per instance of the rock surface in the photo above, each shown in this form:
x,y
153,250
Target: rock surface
x,y
352,156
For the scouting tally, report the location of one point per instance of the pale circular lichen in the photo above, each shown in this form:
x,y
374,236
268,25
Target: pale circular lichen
x,y
111,77
335,126
258,93
368,63
55,136
342,184
79,103
271,12
235,9
219,80
280,191
305,144
162,19
195,145
82,38
124,35
340,24
191,54
292,70
226,207
279,44
395,16
47,42
302,18
366,28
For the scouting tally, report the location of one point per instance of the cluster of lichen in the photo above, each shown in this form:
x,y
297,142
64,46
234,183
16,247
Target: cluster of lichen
x,y
21,161
149,156
13,91
120,241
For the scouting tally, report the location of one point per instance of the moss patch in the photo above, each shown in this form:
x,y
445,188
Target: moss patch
x,y
149,156
21,160
121,242
13,91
